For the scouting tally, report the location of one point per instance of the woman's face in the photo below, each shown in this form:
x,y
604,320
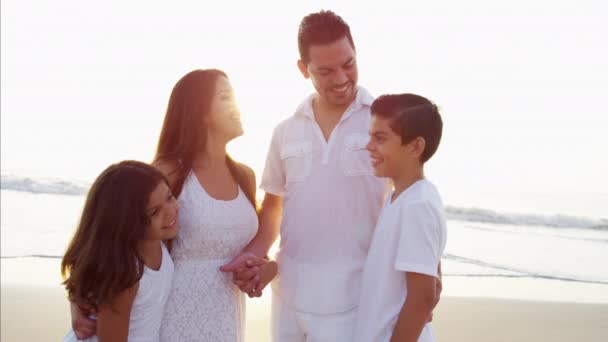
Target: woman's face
x,y
225,118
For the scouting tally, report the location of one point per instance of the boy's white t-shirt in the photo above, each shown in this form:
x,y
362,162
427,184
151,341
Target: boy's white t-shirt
x,y
410,236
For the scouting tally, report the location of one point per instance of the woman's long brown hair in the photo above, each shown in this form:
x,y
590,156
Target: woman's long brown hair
x,y
102,259
184,131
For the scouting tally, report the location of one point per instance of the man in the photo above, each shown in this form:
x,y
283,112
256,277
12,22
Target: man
x,y
321,192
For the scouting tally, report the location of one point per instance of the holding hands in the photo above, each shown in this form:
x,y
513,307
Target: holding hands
x,y
251,273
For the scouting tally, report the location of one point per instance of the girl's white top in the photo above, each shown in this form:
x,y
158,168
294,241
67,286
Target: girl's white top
x,y
149,304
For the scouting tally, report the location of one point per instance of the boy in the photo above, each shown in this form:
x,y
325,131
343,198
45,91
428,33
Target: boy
x,y
400,274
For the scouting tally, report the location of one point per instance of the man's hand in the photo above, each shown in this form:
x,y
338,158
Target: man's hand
x,y
249,279
251,273
266,271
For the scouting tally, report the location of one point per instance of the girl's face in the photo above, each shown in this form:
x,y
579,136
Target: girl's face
x,y
163,213
225,118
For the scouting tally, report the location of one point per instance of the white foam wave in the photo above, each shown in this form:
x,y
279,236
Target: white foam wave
x,y
557,221
63,187
42,186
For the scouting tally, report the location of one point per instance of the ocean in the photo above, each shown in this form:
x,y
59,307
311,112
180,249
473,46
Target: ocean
x,y
485,245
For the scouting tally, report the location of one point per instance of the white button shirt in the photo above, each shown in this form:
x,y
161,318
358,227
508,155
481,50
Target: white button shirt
x,y
331,201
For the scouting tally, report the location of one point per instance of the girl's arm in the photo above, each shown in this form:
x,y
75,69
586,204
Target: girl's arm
x,y
113,318
83,326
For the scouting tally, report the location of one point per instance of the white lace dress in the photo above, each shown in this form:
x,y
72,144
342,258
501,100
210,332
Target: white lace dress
x,y
204,304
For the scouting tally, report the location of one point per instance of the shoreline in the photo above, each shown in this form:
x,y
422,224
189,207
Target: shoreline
x,y
45,273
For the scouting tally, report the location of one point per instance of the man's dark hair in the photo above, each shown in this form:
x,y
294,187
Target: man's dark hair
x,y
321,28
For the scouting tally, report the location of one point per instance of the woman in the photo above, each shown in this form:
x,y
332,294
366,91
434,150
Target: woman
x,y
218,218
217,204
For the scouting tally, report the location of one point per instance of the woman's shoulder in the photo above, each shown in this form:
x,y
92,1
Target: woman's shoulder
x,y
247,170
249,175
170,168
167,166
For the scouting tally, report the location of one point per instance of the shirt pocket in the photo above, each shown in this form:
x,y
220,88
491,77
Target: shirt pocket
x,y
297,160
355,158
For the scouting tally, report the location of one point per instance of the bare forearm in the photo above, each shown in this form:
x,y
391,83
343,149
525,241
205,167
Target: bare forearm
x,y
412,319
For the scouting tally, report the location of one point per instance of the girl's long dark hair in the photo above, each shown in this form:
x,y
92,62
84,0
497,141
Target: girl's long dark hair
x,y
102,259
184,131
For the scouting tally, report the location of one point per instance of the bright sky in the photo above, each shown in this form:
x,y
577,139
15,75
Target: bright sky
x,y
522,84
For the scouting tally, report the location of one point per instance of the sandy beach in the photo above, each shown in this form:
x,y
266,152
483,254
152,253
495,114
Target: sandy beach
x,y
31,313
33,308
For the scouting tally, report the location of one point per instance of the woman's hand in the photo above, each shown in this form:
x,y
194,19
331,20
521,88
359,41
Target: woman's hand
x,y
255,276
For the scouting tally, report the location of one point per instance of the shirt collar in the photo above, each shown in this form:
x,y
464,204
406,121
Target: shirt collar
x,y
362,99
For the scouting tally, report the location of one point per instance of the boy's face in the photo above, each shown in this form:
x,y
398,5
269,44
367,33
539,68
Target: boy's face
x,y
333,71
389,156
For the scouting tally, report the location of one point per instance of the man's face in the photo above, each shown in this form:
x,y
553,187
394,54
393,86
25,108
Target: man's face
x,y
333,71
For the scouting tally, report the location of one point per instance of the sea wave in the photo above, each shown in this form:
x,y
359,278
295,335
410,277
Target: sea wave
x,y
64,187
506,271
556,221
43,185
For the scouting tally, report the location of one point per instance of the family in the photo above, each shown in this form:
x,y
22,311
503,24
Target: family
x,y
167,252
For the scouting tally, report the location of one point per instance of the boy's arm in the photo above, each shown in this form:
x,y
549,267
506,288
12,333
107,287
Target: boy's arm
x,y
439,283
438,288
418,257
417,308
113,318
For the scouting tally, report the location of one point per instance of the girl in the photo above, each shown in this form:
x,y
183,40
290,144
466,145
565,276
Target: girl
x,y
116,264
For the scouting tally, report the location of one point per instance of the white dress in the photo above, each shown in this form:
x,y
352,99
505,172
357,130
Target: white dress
x,y
204,304
148,305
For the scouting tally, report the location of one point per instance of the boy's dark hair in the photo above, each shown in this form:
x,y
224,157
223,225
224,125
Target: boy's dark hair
x,y
321,28
412,116
102,259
